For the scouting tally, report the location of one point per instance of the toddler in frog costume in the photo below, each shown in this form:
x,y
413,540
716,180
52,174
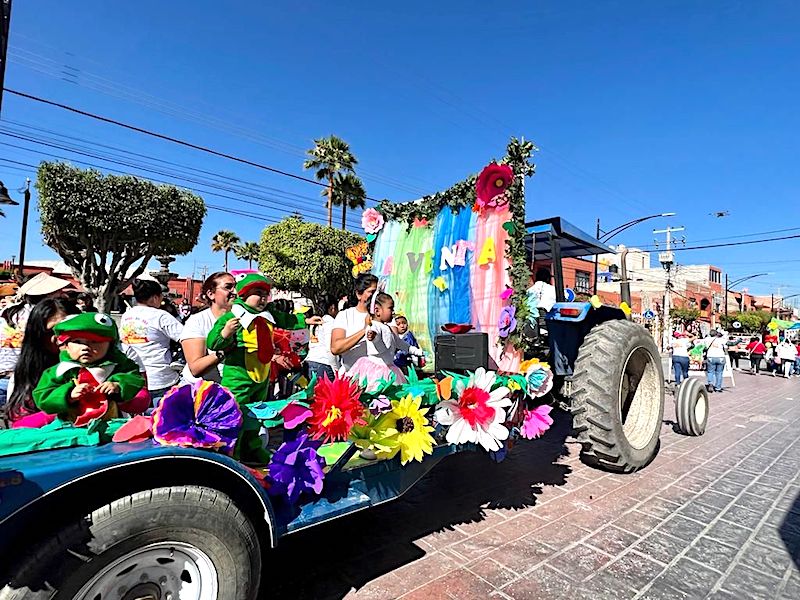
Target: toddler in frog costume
x,y
93,374
244,334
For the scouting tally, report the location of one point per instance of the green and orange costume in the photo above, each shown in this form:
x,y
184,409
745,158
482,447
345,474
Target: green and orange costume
x,y
248,356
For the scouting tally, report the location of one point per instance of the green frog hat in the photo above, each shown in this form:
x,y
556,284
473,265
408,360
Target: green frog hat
x,y
95,327
247,282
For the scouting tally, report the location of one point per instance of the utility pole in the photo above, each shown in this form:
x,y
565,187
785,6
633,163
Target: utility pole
x,y
667,259
5,25
24,234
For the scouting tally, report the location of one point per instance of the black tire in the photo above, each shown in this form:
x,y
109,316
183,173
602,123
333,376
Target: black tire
x,y
186,520
617,397
691,407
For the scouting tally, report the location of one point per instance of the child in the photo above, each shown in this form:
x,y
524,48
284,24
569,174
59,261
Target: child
x,y
403,359
244,334
93,375
382,344
320,360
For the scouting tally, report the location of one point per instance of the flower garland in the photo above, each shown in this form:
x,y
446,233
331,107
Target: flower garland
x,y
463,193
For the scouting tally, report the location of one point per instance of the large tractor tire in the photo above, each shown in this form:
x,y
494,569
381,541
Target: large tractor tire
x,y
618,397
691,407
184,542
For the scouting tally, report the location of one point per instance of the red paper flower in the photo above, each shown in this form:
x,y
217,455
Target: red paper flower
x,y
336,408
491,186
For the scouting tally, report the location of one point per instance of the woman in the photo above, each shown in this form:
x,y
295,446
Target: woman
x,y
757,351
787,352
39,352
680,355
148,330
14,318
320,360
350,325
218,292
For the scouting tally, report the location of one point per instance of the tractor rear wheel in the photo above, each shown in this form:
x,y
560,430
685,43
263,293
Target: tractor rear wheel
x,y
618,397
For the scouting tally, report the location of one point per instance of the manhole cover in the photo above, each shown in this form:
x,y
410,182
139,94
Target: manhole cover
x,y
766,419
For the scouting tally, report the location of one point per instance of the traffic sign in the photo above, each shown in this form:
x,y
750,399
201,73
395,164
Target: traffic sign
x,y
569,295
649,314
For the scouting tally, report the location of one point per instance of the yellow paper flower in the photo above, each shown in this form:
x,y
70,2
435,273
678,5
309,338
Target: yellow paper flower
x,y
406,422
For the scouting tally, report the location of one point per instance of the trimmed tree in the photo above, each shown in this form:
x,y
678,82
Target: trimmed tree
x,y
107,227
224,241
248,251
308,258
329,157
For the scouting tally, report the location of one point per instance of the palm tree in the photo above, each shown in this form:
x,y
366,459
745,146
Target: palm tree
x,y
248,251
348,192
224,241
328,157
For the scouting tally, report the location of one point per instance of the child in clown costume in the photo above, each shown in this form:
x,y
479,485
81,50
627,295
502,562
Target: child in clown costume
x,y
93,375
244,334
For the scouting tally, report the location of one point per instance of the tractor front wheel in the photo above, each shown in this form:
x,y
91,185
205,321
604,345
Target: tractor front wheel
x,y
618,397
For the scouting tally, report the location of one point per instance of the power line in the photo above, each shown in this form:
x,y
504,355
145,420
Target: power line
x,y
167,138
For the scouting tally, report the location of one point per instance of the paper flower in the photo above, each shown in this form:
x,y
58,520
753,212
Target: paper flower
x,y
440,283
539,380
420,222
536,422
406,423
508,322
201,415
335,409
138,429
478,414
380,405
295,414
372,221
506,293
296,467
491,186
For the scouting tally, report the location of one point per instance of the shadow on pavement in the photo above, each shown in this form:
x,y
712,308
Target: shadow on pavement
x,y
790,531
328,560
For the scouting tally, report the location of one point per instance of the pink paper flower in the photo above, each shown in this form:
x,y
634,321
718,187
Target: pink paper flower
x,y
491,186
420,222
372,221
506,293
536,422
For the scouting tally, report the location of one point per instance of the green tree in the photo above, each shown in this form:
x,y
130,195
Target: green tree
x,y
329,157
248,251
107,227
684,315
308,258
348,192
751,321
224,241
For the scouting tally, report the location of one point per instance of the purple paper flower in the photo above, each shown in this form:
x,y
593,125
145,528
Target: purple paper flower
x,y
201,415
296,468
508,322
380,405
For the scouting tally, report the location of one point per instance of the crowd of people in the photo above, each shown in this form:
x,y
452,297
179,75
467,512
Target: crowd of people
x,y
365,339
710,353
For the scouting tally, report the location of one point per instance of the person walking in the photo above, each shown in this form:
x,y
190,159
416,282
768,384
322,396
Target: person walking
x,y
715,360
680,356
149,329
757,350
787,353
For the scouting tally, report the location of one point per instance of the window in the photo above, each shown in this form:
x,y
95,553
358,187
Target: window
x,y
582,280
714,276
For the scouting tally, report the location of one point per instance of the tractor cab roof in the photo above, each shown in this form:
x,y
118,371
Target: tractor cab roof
x,y
572,241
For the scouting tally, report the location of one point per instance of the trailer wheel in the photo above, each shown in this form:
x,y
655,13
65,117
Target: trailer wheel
x,y
177,542
691,407
618,397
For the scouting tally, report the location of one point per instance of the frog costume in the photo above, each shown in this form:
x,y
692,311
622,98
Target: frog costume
x,y
53,392
248,356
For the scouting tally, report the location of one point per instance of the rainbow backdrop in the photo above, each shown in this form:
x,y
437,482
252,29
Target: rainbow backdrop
x,y
452,270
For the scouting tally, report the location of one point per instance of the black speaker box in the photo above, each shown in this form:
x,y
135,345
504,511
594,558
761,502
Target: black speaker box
x,y
463,351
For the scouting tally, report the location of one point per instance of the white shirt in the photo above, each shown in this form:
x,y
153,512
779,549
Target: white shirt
x,y
386,344
715,347
197,326
352,321
680,347
148,331
319,348
787,352
544,293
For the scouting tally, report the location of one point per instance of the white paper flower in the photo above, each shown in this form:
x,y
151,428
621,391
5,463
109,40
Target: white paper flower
x,y
478,414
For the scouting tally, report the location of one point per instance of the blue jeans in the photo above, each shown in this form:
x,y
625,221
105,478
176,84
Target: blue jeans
x,y
797,366
320,370
714,372
4,390
680,365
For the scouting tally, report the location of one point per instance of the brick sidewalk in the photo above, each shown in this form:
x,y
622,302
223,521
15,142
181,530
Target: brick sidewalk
x,y
716,516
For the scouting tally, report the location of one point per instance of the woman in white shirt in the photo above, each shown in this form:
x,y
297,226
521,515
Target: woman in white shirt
x,y
149,330
787,352
350,326
716,350
680,355
320,360
218,292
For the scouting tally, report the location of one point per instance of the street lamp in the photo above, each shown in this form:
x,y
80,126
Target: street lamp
x,y
728,286
6,199
605,236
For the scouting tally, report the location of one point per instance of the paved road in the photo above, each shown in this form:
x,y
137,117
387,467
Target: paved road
x,y
712,517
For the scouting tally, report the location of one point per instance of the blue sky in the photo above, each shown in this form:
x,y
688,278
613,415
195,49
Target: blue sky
x,y
638,108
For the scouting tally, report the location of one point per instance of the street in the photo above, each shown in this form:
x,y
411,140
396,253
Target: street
x,y
716,516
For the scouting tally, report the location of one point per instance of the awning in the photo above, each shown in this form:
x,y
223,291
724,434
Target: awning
x,y
573,241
